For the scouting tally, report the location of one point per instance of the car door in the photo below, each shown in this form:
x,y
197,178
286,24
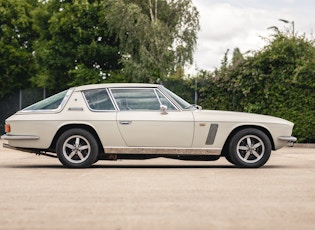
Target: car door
x,y
143,124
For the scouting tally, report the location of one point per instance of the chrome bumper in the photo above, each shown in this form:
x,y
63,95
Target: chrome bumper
x,y
18,137
287,138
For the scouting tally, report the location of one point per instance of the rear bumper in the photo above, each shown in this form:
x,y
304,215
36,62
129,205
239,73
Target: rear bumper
x,y
19,137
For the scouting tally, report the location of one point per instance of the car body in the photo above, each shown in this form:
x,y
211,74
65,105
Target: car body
x,y
141,121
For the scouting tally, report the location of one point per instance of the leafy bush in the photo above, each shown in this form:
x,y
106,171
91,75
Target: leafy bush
x,y
278,80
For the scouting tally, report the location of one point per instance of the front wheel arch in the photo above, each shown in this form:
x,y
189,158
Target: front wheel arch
x,y
236,130
225,149
249,148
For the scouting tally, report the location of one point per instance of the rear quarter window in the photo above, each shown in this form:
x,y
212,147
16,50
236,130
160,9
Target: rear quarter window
x,y
98,99
54,102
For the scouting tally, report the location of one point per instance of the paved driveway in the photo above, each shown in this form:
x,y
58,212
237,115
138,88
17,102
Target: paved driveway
x,y
36,192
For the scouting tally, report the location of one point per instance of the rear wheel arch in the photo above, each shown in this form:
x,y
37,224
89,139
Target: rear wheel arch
x,y
65,128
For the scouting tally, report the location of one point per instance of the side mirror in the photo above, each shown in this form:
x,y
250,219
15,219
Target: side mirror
x,y
163,109
198,107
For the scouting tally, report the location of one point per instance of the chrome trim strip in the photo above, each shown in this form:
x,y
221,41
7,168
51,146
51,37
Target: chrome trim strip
x,y
162,151
75,109
287,138
19,137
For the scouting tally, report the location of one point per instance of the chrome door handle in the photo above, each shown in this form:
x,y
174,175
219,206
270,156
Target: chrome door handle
x,y
125,122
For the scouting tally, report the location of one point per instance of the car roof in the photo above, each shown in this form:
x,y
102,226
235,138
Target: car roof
x,y
116,85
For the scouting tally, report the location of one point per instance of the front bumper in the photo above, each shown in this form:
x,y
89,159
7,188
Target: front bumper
x,y
290,140
287,138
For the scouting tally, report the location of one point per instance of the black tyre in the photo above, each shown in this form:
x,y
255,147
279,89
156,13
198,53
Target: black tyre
x,y
249,148
228,158
77,148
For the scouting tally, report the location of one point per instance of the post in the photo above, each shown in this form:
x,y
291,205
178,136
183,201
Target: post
x,y
20,99
196,93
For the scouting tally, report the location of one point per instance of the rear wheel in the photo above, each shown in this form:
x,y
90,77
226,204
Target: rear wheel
x,y
250,148
77,148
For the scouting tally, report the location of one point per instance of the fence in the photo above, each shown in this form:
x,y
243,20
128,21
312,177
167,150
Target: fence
x,y
18,100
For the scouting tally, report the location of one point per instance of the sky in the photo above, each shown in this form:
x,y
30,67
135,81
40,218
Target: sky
x,y
243,24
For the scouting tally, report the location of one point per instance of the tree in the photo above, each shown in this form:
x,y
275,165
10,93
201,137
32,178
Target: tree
x,y
156,37
60,43
237,57
181,85
277,80
74,46
16,40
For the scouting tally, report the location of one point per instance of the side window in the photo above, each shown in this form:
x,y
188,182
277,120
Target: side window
x,y
136,99
98,99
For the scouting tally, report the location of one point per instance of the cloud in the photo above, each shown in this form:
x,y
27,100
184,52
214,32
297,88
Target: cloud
x,y
230,24
223,27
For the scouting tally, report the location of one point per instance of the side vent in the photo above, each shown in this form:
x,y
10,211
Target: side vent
x,y
212,133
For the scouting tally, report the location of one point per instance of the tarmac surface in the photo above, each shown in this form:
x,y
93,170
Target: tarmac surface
x,y
36,192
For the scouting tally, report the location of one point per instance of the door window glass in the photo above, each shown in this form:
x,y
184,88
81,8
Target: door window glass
x,y
136,99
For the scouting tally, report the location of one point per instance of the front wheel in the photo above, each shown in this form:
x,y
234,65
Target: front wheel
x,y
77,148
249,148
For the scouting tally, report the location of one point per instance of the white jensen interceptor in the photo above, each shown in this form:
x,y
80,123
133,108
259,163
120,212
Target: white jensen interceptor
x,y
141,121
